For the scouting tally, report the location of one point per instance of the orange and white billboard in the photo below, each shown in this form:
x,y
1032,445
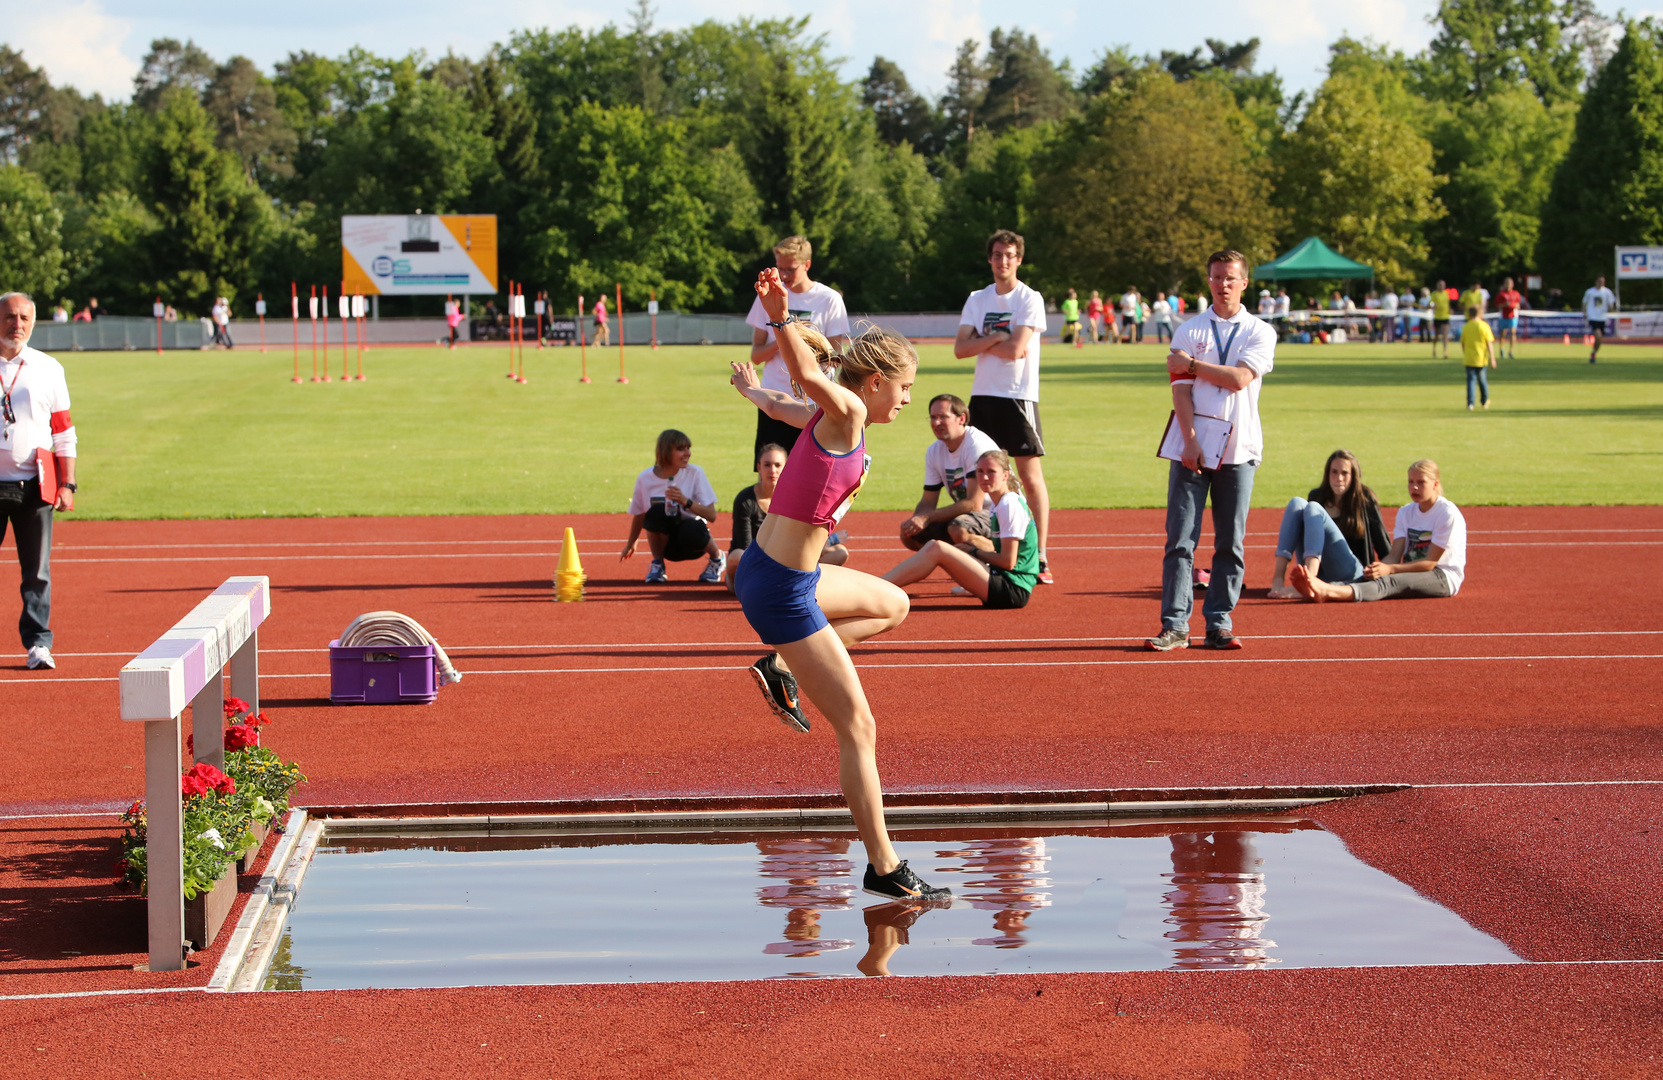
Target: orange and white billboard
x,y
419,254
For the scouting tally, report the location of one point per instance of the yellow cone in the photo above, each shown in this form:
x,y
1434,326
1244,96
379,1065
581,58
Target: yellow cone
x,y
569,563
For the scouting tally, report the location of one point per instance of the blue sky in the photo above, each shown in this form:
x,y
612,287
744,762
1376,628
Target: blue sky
x,y
96,45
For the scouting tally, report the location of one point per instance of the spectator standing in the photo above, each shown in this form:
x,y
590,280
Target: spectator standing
x,y
60,314
1284,303
37,465
1440,318
170,314
1478,354
603,333
221,314
1508,302
1071,318
453,319
1001,326
811,302
1597,305
1388,314
92,309
1163,318
950,464
1476,296
1131,306
1216,365
1094,316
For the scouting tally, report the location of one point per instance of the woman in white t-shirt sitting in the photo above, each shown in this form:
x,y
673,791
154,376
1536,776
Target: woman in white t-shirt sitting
x,y
675,504
1428,558
1000,572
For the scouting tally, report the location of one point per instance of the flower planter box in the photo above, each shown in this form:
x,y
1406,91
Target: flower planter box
x,y
205,913
246,862
382,675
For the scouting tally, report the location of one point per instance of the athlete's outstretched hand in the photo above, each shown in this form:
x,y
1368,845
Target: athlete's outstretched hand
x,y
744,377
771,291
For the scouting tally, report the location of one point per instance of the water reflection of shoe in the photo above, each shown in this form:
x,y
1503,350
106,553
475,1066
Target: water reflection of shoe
x,y
779,690
901,884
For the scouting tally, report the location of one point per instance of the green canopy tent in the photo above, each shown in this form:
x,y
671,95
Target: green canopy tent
x,y
1312,258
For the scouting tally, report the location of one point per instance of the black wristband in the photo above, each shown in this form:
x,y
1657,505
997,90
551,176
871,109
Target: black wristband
x,y
782,322
71,488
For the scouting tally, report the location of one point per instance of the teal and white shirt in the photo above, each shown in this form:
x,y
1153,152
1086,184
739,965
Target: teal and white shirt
x,y
1016,522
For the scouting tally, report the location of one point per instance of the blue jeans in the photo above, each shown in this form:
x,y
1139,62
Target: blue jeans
x,y
1231,488
1308,530
1481,377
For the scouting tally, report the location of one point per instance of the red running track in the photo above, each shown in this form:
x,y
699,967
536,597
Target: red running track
x,y
1538,677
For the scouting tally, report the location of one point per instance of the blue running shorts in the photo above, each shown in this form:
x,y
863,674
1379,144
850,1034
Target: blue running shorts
x,y
778,601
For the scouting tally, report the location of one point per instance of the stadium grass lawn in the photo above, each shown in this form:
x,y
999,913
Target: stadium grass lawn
x,y
219,434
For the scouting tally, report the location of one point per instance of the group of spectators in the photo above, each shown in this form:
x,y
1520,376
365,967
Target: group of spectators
x,y
1122,319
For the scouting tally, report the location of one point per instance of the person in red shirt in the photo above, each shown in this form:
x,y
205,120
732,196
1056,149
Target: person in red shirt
x,y
1508,301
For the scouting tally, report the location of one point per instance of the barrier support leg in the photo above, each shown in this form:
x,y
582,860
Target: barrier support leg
x,y
208,722
164,844
245,672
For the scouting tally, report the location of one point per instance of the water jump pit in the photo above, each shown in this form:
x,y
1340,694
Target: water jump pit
x,y
385,906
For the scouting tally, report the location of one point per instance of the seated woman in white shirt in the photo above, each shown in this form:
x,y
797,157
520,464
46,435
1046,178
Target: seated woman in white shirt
x,y
1428,558
1002,572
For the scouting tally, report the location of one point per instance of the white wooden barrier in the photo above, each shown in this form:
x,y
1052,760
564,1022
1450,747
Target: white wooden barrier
x,y
185,666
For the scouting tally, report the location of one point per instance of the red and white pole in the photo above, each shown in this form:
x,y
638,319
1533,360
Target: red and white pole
x,y
294,310
618,313
344,306
652,309
582,341
314,310
326,375
157,309
260,310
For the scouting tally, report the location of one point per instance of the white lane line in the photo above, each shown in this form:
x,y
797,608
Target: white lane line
x,y
898,642
975,664
102,993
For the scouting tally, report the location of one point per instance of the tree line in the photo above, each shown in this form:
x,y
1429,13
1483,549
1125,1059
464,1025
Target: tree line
x,y
1528,137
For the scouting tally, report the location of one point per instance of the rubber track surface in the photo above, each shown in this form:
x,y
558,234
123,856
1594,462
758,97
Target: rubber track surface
x,y
1541,676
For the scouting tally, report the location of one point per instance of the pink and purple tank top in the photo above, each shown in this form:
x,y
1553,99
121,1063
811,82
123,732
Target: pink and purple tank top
x,y
817,485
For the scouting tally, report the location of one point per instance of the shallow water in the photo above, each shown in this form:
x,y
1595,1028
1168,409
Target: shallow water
x,y
1172,894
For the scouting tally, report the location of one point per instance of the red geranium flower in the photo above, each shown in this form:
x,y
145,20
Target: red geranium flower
x,y
235,705
190,744
202,777
241,737
256,720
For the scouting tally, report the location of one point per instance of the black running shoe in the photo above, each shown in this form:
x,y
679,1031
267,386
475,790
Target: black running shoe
x,y
901,884
779,690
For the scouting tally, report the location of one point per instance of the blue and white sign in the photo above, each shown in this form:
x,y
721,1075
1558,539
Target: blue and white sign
x,y
1639,262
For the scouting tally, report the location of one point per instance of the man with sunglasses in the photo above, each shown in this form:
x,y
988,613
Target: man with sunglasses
x,y
37,465
1216,365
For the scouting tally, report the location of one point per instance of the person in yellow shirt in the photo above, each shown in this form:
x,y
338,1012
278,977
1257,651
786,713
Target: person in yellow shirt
x,y
1440,318
1478,353
1474,297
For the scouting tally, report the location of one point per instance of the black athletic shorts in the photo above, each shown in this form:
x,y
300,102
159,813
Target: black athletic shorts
x,y
1002,592
689,535
769,430
1012,425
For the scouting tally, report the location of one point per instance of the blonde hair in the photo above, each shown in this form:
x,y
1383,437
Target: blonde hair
x,y
1003,460
797,247
875,352
1430,468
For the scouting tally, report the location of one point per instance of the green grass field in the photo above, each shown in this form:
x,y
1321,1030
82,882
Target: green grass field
x,y
189,435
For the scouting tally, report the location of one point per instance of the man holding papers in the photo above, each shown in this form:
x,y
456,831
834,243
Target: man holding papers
x,y
1215,443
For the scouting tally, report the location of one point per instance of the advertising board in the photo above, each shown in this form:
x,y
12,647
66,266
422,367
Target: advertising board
x,y
419,254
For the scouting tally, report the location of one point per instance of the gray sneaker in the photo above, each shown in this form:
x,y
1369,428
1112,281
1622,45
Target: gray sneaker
x,y
1167,640
40,657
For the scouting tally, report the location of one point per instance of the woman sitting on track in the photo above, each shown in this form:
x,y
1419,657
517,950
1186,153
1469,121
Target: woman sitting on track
x,y
674,502
809,613
1001,572
750,506
1428,556
1335,531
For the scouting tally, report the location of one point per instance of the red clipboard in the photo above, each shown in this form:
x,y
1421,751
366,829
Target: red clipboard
x,y
47,464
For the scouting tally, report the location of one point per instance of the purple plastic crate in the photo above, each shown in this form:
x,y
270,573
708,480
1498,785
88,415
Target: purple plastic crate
x,y
382,675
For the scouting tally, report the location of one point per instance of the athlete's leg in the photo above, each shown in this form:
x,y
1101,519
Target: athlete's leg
x,y
859,606
827,676
1039,499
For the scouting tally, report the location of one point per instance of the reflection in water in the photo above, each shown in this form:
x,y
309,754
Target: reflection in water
x,y
803,862
1007,875
1217,901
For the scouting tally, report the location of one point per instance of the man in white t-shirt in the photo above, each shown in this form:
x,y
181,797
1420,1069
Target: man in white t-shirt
x,y
810,302
1597,305
37,465
1217,362
950,464
1388,314
1131,315
221,314
1000,326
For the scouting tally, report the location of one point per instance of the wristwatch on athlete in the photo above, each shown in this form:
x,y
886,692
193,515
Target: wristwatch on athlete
x,y
1192,366
71,488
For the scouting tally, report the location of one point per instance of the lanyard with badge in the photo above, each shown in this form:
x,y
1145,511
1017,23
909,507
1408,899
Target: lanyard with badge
x,y
6,410
1223,344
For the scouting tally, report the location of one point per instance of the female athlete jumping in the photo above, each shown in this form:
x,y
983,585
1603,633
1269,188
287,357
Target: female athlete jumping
x,y
809,612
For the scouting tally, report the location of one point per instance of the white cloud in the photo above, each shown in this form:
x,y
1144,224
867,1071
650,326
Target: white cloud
x,y
79,44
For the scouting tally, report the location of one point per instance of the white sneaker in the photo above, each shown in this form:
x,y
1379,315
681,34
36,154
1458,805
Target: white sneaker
x,y
712,574
40,657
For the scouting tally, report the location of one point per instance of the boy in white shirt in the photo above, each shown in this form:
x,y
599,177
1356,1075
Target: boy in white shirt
x,y
1597,305
810,302
1000,326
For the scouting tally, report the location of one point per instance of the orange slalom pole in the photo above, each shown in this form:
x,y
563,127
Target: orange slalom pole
x,y
294,310
363,330
542,302
519,329
511,329
582,341
618,313
344,306
326,375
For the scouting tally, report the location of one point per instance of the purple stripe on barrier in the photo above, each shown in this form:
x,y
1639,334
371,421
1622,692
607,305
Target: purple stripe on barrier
x,y
194,653
256,593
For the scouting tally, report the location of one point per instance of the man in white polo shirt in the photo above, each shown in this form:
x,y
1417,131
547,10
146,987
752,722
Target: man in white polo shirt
x,y
950,464
37,465
810,302
1597,305
1221,355
1000,326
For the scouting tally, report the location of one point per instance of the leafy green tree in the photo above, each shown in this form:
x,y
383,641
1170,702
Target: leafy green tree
x,y
244,104
107,250
961,105
625,208
1608,190
1483,46
901,114
1024,86
891,203
24,92
1143,186
31,235
1360,177
993,189
169,66
794,142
